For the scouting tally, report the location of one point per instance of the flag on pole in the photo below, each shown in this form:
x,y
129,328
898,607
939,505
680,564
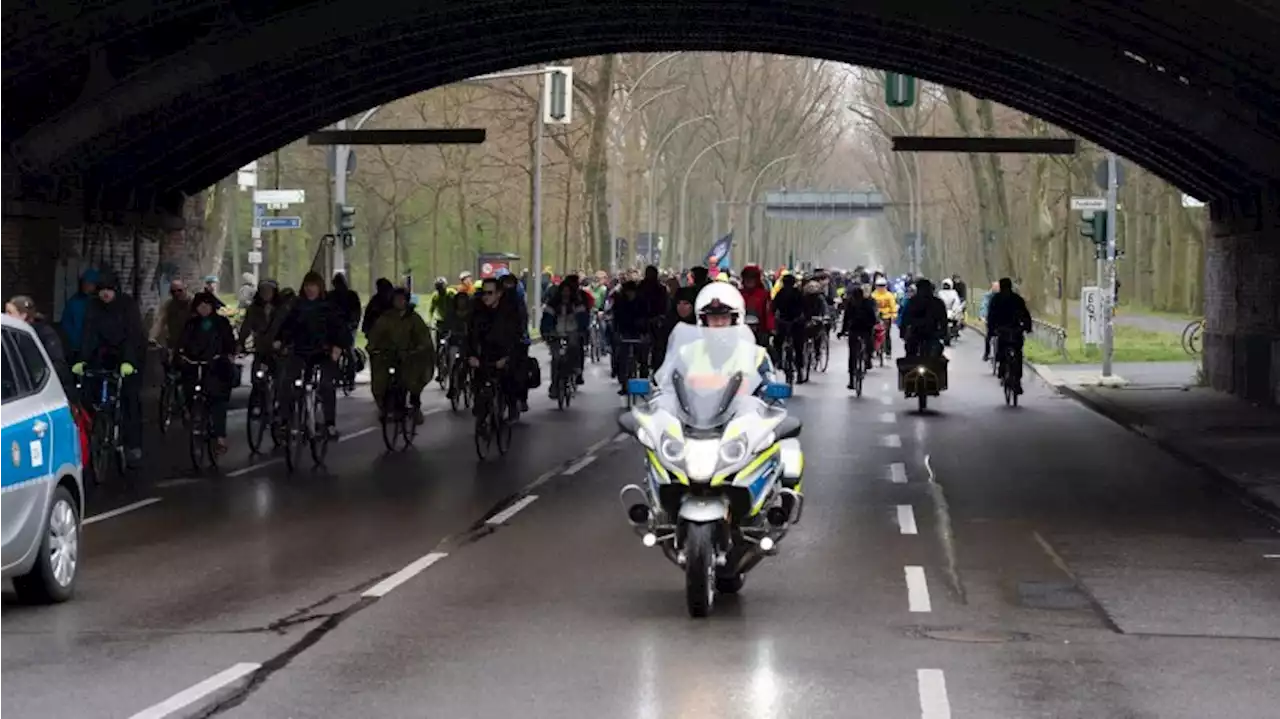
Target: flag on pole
x,y
718,255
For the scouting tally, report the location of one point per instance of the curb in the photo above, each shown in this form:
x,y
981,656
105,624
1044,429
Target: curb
x,y
1267,507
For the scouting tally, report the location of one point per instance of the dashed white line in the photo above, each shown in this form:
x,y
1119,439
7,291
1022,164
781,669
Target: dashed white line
x,y
891,440
885,386
255,467
121,510
360,432
898,473
888,418
917,590
932,685
906,519
1271,556
509,512
409,572
192,694
886,399
341,438
577,466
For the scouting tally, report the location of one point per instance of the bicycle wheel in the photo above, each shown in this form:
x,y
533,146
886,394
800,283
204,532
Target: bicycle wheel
x,y
258,420
166,408
318,431
824,348
102,450
408,424
295,435
483,436
501,427
392,413
442,365
197,437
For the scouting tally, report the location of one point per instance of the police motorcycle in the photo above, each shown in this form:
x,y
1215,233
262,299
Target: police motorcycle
x,y
723,461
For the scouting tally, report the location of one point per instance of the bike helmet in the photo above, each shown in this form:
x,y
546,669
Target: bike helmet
x,y
441,283
719,298
946,283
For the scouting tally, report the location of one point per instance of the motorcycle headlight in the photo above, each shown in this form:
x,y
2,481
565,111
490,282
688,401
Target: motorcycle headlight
x,y
671,449
391,370
733,451
261,374
197,388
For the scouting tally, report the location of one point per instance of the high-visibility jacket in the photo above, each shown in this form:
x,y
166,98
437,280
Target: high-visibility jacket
x,y
886,303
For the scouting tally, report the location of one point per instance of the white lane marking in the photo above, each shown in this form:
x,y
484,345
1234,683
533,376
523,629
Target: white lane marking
x,y
886,400
891,440
622,437
885,386
917,590
510,512
192,694
411,570
1271,556
255,467
341,438
888,418
180,481
929,467
898,473
121,510
360,433
906,519
933,694
577,466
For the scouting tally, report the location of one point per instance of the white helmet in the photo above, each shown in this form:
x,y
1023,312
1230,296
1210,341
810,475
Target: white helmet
x,y
946,284
720,298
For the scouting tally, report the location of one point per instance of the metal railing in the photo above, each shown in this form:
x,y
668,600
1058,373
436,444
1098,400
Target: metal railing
x,y
1045,334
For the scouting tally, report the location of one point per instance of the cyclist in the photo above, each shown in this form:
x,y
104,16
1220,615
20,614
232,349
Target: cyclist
x,y
860,319
758,304
317,333
207,337
887,308
983,308
513,294
440,303
248,289
261,320
347,302
466,285
493,331
789,309
566,314
402,331
1008,319
924,322
379,303
73,312
114,340
630,322
951,300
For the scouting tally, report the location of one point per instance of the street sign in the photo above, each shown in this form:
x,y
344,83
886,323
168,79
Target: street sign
x,y
255,257
281,223
557,96
257,242
246,179
256,233
1094,204
280,197
1091,319
1189,201
1100,174
277,205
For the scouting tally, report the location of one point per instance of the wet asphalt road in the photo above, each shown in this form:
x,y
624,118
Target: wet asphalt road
x,y
977,561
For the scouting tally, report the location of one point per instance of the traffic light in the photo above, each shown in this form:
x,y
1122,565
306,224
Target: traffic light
x,y
345,217
557,98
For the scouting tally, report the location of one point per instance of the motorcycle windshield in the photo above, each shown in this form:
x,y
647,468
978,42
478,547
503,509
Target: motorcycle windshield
x,y
706,370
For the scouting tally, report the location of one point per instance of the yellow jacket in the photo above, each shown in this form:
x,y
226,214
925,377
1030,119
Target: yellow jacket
x,y
886,303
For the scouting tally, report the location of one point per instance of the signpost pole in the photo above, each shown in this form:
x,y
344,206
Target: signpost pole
x,y
341,152
1109,288
535,276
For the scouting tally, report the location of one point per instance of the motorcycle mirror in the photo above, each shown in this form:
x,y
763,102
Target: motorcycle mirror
x,y
776,390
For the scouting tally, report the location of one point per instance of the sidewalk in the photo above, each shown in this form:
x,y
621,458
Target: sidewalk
x,y
1222,434
1139,320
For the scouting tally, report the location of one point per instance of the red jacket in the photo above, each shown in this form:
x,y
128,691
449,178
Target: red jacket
x,y
758,303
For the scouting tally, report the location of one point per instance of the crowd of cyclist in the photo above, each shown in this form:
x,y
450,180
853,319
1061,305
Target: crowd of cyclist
x,y
486,326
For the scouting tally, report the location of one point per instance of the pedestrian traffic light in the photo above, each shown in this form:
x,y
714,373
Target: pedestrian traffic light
x,y
1095,227
345,217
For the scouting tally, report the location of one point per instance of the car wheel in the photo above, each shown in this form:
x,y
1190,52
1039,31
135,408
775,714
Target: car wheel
x,y
53,577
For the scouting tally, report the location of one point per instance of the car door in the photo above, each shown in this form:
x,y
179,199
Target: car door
x,y
26,440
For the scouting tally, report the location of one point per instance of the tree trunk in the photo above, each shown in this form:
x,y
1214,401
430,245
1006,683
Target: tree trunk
x,y
595,174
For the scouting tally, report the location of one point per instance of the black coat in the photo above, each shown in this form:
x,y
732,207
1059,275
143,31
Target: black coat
x,y
313,326
493,332
114,330
1008,310
860,316
203,339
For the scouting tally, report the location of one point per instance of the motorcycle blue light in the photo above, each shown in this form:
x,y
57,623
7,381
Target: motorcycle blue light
x,y
638,386
777,390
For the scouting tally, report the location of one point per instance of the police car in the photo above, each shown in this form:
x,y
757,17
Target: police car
x,y
43,490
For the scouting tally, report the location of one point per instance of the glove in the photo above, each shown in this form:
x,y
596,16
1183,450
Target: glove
x,y
77,368
126,369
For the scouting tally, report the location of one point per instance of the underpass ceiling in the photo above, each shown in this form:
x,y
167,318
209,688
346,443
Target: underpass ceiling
x,y
171,94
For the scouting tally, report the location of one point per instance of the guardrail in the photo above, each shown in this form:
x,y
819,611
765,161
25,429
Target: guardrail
x,y
1045,334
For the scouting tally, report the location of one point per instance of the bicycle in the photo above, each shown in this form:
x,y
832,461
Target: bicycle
x,y
1010,371
171,401
859,350
819,356
201,443
443,360
460,389
492,424
595,338
562,374
788,353
306,423
634,353
106,446
262,408
885,348
1193,337
399,423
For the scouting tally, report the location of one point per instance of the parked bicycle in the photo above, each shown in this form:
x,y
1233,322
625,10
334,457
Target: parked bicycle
x,y
1193,337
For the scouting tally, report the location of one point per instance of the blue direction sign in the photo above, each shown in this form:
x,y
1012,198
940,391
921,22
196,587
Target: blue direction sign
x,y
280,223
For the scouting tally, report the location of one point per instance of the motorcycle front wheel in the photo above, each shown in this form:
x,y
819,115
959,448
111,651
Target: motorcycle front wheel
x,y
700,569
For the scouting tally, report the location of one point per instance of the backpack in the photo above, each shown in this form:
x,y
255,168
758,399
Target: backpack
x,y
533,373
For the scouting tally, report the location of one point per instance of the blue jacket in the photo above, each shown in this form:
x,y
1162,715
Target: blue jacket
x,y
73,314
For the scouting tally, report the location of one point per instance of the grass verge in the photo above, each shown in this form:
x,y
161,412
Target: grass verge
x,y
1131,345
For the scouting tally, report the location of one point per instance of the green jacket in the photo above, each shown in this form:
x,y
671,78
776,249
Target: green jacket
x,y
408,335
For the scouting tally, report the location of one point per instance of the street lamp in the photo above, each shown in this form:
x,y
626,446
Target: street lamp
x,y
751,198
916,202
684,192
653,170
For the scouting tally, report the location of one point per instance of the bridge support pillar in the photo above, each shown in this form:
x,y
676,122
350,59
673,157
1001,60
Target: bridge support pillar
x,y
1242,295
